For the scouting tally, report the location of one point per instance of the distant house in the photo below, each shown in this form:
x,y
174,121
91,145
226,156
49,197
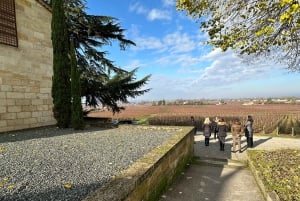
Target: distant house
x,y
25,65
249,103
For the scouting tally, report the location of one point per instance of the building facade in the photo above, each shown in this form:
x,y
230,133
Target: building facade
x,y
25,65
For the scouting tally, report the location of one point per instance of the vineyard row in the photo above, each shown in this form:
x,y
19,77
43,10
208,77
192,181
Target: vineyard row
x,y
263,123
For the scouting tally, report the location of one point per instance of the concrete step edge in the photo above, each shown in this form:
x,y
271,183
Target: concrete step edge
x,y
220,162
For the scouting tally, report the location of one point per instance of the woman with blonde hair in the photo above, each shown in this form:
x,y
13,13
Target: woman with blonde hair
x,y
207,129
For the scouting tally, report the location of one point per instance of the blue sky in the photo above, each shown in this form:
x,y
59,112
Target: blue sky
x,y
169,46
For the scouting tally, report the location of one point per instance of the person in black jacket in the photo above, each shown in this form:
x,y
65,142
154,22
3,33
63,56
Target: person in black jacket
x,y
249,131
193,123
222,133
214,125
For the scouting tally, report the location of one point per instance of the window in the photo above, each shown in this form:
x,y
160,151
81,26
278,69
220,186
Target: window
x,y
8,28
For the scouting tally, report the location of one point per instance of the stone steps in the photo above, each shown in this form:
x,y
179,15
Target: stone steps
x,y
219,162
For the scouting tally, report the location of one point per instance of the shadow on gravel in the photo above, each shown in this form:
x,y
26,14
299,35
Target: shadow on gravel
x,y
58,193
244,142
260,141
43,132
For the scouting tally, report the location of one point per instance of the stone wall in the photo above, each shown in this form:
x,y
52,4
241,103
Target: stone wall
x,y
150,176
26,71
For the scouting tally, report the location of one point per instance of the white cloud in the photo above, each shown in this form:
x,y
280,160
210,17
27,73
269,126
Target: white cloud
x,y
134,30
179,42
138,8
148,43
165,60
227,68
173,43
163,87
224,77
186,60
134,64
176,48
222,68
157,14
216,82
168,2
183,60
151,14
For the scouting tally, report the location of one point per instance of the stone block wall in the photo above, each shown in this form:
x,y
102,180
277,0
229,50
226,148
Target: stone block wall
x,y
26,71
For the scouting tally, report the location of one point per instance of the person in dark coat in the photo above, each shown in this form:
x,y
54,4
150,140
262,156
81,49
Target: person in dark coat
x,y
214,125
249,131
222,133
193,123
207,129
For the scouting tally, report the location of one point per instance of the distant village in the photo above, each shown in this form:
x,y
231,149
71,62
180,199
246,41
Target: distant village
x,y
243,101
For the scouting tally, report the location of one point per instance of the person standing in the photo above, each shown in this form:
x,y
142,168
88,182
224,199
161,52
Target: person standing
x,y
214,124
222,133
249,131
193,122
236,130
207,128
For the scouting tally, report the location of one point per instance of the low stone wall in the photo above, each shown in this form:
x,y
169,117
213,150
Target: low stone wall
x,y
148,178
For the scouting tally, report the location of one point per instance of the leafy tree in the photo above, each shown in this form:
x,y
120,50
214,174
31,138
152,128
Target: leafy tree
x,y
161,102
260,28
61,92
77,113
269,101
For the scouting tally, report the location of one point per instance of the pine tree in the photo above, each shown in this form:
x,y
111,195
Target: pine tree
x,y
101,81
99,75
77,113
61,87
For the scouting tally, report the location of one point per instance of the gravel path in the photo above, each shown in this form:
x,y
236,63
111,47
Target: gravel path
x,y
63,164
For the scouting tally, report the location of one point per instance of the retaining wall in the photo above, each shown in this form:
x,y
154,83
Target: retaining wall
x,y
148,178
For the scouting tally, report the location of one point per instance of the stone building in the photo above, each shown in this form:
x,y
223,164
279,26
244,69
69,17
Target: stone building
x,y
25,65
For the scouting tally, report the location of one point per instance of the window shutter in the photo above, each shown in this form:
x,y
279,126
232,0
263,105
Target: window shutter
x,y
8,28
